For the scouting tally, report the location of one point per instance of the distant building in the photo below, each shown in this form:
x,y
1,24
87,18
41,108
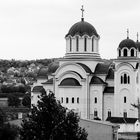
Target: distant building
x,y
98,130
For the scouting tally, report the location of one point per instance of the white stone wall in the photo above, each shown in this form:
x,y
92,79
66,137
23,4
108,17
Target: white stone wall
x,y
96,91
127,90
108,104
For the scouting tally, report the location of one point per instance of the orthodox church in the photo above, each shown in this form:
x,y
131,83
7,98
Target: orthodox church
x,y
91,86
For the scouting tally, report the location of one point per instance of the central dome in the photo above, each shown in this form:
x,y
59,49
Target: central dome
x,y
81,28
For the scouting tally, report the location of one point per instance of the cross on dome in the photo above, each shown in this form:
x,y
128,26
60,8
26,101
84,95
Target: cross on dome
x,y
82,9
127,33
137,36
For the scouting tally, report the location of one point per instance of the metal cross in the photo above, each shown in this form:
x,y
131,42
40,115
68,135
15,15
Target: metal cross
x,y
127,33
82,9
137,36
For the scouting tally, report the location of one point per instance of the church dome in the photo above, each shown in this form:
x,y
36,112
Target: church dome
x,y
128,43
81,28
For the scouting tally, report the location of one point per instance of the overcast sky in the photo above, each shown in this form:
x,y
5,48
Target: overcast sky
x,y
35,29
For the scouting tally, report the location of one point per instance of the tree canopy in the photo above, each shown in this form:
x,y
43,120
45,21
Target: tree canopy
x,y
7,131
49,120
13,100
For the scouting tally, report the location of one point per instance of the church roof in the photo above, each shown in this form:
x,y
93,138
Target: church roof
x,y
49,81
85,67
101,68
109,90
110,74
121,120
96,80
69,82
38,89
81,28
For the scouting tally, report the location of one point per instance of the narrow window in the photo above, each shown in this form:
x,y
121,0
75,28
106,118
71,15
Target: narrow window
x,y
95,100
61,99
124,99
109,113
95,113
128,79
132,52
121,79
125,78
125,114
78,100
72,99
85,40
70,44
125,52
77,44
119,52
67,100
92,44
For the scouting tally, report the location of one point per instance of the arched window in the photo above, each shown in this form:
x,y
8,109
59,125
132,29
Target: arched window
x,y
95,113
70,44
132,52
92,44
61,99
125,79
72,100
124,99
125,52
95,100
78,100
109,113
67,100
121,79
125,114
85,44
128,79
77,43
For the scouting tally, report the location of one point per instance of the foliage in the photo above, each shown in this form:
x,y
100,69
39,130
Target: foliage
x,y
10,88
13,100
2,117
26,101
7,131
49,120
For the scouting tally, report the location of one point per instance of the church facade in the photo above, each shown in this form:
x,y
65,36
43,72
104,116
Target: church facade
x,y
91,86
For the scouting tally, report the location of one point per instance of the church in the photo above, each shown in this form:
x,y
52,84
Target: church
x,y
91,86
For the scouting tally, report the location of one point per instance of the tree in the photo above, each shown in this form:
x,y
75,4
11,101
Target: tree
x,y
13,100
49,120
2,117
7,131
26,101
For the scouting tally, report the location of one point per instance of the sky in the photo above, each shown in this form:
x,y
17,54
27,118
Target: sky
x,y
36,29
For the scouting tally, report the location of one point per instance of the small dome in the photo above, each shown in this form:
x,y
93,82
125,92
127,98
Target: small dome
x,y
128,43
81,28
138,45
